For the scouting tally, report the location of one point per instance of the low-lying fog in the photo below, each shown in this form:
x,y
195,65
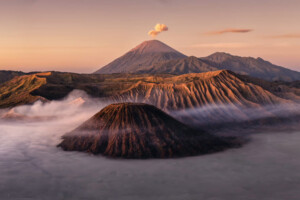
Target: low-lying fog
x,y
32,167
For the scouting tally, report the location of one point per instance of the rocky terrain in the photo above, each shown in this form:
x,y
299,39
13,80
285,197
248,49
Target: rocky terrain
x,y
195,90
18,90
217,97
130,130
212,97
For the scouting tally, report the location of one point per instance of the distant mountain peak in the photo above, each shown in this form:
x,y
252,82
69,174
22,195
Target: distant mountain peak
x,y
251,66
224,55
155,57
153,46
220,56
142,56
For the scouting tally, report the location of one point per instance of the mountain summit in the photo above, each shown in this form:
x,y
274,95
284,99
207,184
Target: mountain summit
x,y
141,57
153,46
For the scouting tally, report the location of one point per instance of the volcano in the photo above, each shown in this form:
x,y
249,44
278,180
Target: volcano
x,y
141,57
155,57
256,67
133,130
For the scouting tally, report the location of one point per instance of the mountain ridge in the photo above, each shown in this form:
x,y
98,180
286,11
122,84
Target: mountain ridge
x,y
155,57
58,85
217,95
256,67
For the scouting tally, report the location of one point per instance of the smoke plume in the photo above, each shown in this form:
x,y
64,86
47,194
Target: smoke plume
x,y
158,29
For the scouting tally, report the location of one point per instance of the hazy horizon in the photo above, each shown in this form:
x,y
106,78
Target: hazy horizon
x,y
82,36
84,71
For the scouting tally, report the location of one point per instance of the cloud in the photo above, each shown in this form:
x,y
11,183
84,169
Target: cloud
x,y
32,166
158,29
230,30
161,27
153,33
224,113
285,36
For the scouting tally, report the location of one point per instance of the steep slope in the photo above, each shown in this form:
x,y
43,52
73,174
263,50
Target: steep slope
x,y
194,90
138,131
140,57
179,66
17,91
210,97
193,98
253,67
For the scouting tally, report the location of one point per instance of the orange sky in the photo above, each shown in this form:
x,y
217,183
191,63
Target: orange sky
x,y
83,35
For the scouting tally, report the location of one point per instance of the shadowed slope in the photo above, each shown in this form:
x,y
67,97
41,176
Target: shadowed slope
x,y
179,66
222,61
139,131
6,75
285,90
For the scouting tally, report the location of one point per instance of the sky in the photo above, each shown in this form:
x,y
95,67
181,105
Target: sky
x,y
84,35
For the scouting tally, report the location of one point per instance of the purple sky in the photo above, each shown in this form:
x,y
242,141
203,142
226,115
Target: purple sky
x,y
83,35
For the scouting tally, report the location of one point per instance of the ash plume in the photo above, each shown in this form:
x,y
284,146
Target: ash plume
x,y
158,29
